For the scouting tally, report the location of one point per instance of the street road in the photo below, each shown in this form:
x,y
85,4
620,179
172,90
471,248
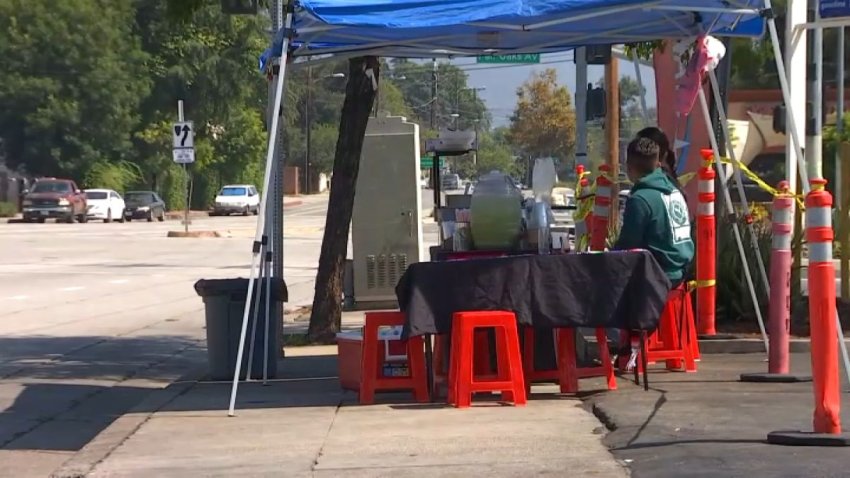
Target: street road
x,y
93,317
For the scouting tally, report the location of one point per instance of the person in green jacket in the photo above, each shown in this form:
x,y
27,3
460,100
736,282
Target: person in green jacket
x,y
656,216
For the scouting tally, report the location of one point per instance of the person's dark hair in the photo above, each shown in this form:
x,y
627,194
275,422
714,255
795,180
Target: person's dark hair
x,y
667,156
642,155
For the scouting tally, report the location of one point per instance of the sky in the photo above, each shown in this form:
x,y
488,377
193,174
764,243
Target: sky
x,y
501,81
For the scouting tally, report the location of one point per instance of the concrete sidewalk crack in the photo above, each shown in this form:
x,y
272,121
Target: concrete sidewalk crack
x,y
321,450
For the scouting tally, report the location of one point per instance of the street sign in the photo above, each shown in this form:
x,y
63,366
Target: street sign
x,y
834,8
183,135
427,162
514,58
183,156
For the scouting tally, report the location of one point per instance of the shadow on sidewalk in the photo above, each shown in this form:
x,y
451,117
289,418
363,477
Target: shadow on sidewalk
x,y
58,393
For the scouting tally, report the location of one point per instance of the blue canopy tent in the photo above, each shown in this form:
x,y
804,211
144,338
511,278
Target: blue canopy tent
x,y
454,28
429,28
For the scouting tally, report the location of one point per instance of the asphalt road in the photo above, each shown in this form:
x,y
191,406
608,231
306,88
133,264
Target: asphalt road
x,y
93,317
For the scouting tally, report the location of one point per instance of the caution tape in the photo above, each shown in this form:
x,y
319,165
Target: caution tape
x,y
749,173
700,284
686,178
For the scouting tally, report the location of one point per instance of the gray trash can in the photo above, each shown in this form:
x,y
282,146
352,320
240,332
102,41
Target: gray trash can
x,y
224,303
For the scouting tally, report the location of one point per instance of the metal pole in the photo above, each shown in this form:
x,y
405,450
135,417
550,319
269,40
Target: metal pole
x,y
793,86
275,225
261,217
839,114
581,107
434,95
308,106
181,118
475,123
612,130
840,192
814,128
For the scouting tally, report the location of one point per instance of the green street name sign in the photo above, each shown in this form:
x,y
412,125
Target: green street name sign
x,y
427,162
515,58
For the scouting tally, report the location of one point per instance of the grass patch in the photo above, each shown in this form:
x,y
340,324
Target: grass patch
x,y
8,209
296,340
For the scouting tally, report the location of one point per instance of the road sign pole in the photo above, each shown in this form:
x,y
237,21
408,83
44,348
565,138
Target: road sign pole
x,y
180,118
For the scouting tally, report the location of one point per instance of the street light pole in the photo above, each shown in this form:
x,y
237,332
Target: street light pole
x,y
308,128
434,95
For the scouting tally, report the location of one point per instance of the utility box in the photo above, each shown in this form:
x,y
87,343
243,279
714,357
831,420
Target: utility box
x,y
386,226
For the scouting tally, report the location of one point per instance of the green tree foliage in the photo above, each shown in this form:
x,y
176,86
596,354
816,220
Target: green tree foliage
x,y
544,123
70,84
89,91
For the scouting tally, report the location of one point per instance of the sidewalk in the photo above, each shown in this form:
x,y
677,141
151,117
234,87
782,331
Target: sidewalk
x,y
303,425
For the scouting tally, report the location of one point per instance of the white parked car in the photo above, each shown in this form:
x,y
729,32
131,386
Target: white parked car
x,y
104,204
236,198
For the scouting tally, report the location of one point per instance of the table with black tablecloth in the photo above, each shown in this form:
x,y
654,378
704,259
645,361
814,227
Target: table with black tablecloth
x,y
620,290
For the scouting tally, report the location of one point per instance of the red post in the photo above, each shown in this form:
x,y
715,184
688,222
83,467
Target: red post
x,y
706,248
779,315
601,209
819,235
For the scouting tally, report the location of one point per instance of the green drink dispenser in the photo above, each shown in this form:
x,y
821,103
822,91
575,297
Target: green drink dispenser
x,y
496,213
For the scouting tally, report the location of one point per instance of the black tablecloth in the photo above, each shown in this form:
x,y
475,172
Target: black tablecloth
x,y
625,290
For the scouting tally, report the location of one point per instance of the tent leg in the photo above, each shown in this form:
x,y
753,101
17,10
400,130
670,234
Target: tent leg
x,y
731,210
268,299
739,182
261,216
255,315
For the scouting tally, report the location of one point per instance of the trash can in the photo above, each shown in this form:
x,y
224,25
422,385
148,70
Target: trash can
x,y
224,304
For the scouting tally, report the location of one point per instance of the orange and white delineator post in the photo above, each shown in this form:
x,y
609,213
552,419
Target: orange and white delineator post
x,y
706,244
601,209
821,275
779,312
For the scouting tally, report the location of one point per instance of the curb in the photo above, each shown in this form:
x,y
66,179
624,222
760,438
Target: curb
x,y
97,450
750,346
193,234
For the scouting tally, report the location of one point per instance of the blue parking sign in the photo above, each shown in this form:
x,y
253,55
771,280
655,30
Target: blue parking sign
x,y
834,8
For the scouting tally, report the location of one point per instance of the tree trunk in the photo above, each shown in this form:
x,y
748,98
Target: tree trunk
x,y
326,317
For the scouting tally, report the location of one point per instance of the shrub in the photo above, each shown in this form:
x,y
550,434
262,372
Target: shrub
x,y
8,209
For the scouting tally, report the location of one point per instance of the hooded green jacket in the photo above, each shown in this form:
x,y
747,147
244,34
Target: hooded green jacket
x,y
656,219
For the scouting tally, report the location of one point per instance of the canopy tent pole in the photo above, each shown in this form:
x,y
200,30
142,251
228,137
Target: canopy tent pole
x,y
731,211
739,180
643,109
261,215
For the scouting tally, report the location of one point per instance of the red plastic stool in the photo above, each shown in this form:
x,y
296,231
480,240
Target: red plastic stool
x,y
568,369
674,341
372,378
508,380
481,363
532,375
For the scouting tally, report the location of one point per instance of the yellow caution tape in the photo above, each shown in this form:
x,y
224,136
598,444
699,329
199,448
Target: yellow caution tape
x,y
762,184
686,178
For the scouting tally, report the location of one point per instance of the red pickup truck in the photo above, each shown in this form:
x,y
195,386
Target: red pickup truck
x,y
52,198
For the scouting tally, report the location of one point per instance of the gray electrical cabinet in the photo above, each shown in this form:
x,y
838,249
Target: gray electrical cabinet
x,y
386,226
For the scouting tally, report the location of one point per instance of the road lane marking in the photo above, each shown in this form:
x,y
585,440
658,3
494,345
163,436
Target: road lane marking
x,y
17,297
71,289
